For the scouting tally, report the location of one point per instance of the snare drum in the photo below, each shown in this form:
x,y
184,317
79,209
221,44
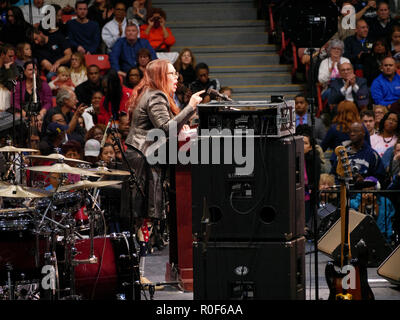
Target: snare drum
x,y
102,280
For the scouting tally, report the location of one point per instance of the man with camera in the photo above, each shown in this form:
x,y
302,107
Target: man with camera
x,y
155,31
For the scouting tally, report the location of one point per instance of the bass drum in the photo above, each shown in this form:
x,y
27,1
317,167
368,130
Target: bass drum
x,y
104,279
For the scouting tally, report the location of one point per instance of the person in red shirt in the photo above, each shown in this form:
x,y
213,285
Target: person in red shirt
x,y
155,31
115,98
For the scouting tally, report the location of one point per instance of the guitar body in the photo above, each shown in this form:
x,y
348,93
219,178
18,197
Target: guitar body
x,y
334,279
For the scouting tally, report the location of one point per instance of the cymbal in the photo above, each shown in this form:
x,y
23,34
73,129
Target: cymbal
x,y
63,168
14,149
56,157
110,172
16,191
86,184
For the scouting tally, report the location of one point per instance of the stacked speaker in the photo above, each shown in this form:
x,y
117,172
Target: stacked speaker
x,y
248,228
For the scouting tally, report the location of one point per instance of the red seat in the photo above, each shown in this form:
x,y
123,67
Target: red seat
x,y
67,17
100,60
359,73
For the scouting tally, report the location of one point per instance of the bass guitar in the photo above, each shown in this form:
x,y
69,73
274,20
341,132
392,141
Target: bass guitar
x,y
351,281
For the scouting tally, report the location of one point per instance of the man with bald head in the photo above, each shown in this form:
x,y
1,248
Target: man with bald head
x,y
385,89
349,87
364,161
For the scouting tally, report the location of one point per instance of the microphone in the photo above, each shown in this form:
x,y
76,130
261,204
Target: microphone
x,y
103,141
215,93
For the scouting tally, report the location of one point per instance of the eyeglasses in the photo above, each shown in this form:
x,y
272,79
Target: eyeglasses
x,y
174,73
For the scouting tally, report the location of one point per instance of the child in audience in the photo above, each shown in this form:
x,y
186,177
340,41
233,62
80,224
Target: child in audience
x,y
63,79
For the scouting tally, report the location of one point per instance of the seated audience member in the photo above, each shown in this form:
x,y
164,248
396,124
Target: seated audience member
x,y
143,58
124,126
90,114
37,13
395,40
115,29
67,6
388,133
16,30
138,11
125,51
326,182
185,65
67,106
83,34
349,87
133,77
85,90
203,82
101,11
364,160
72,149
107,155
159,36
60,26
304,117
114,98
309,166
63,79
182,93
392,161
376,205
381,25
357,45
379,112
23,54
372,61
92,151
227,91
25,91
328,68
347,113
368,119
78,69
385,89
51,51
96,132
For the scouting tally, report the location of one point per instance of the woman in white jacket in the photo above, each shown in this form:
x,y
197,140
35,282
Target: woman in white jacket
x,y
328,68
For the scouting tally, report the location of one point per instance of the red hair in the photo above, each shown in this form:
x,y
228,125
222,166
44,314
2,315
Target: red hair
x,y
155,77
347,113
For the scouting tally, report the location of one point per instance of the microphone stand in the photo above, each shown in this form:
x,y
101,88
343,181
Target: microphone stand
x,y
136,284
314,190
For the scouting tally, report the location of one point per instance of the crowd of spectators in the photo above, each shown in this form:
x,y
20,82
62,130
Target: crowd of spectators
x,y
74,101
358,73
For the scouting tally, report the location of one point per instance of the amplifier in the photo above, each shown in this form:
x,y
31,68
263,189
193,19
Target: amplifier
x,y
268,119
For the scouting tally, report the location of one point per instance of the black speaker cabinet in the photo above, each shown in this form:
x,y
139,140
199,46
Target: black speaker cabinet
x,y
361,227
254,271
390,268
267,204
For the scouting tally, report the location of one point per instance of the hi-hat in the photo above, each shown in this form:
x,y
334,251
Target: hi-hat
x,y
56,157
63,168
14,149
16,191
86,184
109,172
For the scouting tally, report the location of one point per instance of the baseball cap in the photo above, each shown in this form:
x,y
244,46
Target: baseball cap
x,y
92,148
55,127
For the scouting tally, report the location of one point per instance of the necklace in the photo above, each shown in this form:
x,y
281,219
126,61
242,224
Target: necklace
x,y
387,141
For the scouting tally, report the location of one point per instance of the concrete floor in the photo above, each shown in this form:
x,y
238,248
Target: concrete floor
x,y
156,264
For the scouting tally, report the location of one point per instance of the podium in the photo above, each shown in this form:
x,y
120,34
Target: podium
x,y
180,265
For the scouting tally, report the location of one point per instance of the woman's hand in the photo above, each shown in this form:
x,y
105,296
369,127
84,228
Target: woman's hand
x,y
195,99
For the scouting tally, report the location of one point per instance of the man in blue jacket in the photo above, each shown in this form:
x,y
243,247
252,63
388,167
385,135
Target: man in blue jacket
x,y
124,52
385,89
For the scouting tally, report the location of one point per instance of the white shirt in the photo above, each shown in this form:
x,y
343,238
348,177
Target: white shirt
x,y
110,32
323,72
347,92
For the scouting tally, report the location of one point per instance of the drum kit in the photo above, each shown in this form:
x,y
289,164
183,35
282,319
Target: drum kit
x,y
53,242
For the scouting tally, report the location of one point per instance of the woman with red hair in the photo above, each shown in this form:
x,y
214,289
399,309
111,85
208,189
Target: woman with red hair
x,y
347,113
151,106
